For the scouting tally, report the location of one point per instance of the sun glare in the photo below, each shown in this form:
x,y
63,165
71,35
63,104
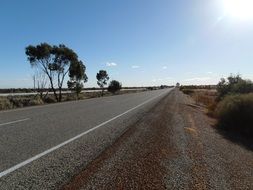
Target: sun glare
x,y
242,9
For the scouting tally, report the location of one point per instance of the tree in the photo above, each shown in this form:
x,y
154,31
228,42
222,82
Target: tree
x,y
222,88
77,77
233,85
114,86
54,61
102,78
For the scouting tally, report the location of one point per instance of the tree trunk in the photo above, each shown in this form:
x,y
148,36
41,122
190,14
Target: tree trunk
x,y
77,96
60,95
52,87
102,91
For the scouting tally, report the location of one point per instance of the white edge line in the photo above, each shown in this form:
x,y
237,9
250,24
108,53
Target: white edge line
x,y
12,169
12,122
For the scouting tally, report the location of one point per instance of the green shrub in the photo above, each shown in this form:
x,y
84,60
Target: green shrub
x,y
235,113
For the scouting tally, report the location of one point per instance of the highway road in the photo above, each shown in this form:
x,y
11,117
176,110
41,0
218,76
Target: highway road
x,y
42,147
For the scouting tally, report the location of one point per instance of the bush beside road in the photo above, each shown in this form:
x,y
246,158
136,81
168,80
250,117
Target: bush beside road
x,y
231,104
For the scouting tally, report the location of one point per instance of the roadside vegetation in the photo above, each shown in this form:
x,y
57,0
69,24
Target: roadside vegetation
x,y
102,79
231,103
203,96
54,63
114,86
235,105
235,113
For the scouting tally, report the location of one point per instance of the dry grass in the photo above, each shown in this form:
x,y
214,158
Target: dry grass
x,y
234,113
5,104
206,98
188,91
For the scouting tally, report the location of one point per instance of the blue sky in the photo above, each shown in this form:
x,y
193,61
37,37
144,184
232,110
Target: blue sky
x,y
139,42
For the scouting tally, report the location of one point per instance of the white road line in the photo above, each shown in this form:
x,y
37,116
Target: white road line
x,y
12,169
12,122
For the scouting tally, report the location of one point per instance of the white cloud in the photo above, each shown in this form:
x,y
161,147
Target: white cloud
x,y
164,67
111,64
209,72
135,66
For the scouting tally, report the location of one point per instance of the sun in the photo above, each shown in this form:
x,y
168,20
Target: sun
x,y
242,9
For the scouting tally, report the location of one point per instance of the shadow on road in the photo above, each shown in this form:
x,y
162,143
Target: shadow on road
x,y
240,139
235,137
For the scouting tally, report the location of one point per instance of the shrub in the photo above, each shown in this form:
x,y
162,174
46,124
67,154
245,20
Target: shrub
x,y
19,101
5,104
114,86
150,88
203,99
233,85
73,97
211,108
187,91
49,100
235,113
36,101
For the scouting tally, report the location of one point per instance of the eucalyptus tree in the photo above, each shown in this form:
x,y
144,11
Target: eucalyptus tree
x,y
56,62
102,78
77,77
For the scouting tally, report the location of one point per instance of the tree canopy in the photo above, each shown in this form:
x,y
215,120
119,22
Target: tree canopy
x,y
234,85
56,62
102,78
114,86
77,77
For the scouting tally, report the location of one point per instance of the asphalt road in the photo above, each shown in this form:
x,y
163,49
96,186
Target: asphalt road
x,y
42,147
